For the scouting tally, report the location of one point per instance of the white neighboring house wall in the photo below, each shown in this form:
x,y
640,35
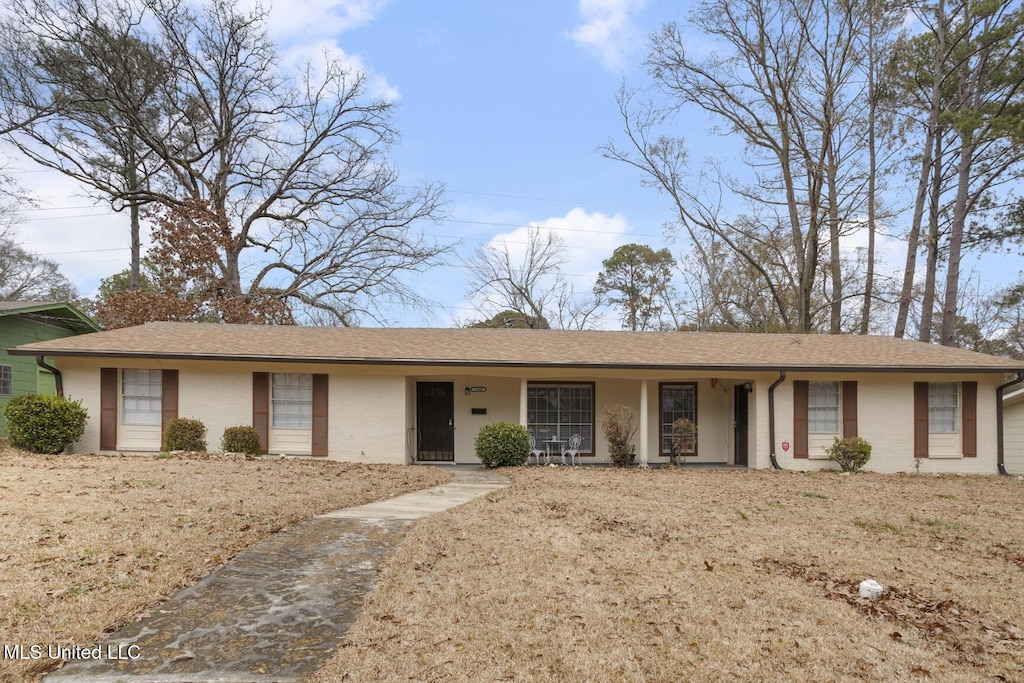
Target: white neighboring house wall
x,y
1013,432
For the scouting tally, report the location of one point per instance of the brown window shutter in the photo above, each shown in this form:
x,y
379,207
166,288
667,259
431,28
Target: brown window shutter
x,y
800,445
108,409
261,408
920,419
969,392
849,410
168,399
319,415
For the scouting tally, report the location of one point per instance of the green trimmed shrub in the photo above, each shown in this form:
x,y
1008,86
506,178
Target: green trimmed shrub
x,y
503,444
241,440
46,424
184,434
851,453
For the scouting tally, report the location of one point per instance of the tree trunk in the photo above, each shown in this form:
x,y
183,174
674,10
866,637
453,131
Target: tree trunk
x,y
133,283
835,262
869,274
909,271
956,238
924,330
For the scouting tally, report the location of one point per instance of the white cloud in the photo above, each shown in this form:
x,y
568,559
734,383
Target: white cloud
x,y
84,237
589,239
890,251
319,53
608,30
314,19
309,31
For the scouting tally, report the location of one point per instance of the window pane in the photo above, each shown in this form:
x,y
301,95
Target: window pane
x,y
943,409
141,396
6,380
823,407
292,400
559,411
677,401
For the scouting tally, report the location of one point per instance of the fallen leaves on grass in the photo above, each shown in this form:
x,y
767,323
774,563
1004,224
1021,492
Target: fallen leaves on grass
x,y
958,627
91,542
598,574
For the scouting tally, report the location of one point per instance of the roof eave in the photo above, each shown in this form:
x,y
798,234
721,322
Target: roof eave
x,y
447,362
74,314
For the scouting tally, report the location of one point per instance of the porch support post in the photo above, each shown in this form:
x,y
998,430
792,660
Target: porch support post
x,y
643,424
523,383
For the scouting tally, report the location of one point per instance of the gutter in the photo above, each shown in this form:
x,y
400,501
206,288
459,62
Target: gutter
x,y
771,417
58,379
1000,456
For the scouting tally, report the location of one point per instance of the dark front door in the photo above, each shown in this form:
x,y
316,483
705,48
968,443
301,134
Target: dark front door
x,y
740,425
435,421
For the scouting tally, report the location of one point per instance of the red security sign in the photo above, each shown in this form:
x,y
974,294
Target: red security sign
x,y
785,446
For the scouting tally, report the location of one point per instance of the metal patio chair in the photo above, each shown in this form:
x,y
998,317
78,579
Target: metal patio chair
x,y
572,449
534,451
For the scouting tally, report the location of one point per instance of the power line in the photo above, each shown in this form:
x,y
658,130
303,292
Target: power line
x,y
83,251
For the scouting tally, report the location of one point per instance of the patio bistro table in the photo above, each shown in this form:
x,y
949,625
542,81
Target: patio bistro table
x,y
556,442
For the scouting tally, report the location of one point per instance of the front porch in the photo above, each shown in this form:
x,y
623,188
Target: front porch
x,y
445,413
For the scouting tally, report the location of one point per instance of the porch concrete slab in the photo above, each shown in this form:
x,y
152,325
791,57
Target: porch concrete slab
x,y
277,611
412,506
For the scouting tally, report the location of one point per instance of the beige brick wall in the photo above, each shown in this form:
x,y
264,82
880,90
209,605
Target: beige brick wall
x,y
372,410
885,405
1013,436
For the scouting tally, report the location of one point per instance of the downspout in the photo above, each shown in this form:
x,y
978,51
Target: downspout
x,y
771,416
999,422
58,380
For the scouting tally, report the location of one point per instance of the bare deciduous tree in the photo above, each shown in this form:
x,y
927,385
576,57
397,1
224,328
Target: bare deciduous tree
x,y
294,167
25,276
528,290
786,80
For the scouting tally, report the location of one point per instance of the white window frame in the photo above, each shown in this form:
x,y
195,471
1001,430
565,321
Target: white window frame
x,y
942,415
135,393
824,407
6,380
291,400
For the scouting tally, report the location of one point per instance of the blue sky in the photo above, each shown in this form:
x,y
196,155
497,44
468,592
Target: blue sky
x,y
505,103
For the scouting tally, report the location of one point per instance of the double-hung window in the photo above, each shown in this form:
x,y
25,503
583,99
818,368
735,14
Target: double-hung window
x,y
557,411
6,380
943,408
291,400
823,408
141,396
677,401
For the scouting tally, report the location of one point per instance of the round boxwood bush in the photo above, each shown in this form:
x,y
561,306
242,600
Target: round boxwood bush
x,y
42,423
852,453
241,440
503,444
184,434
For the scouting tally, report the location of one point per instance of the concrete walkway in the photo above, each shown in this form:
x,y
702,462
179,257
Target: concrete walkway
x,y
277,611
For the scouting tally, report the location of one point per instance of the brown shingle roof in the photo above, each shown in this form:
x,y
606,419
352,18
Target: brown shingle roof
x,y
473,346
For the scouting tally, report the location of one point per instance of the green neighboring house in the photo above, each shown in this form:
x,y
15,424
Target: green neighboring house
x,y
22,322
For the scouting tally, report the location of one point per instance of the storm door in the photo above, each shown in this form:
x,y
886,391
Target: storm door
x,y
740,424
435,421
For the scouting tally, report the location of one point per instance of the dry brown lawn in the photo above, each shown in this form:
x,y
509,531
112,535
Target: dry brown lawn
x,y
88,543
607,575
